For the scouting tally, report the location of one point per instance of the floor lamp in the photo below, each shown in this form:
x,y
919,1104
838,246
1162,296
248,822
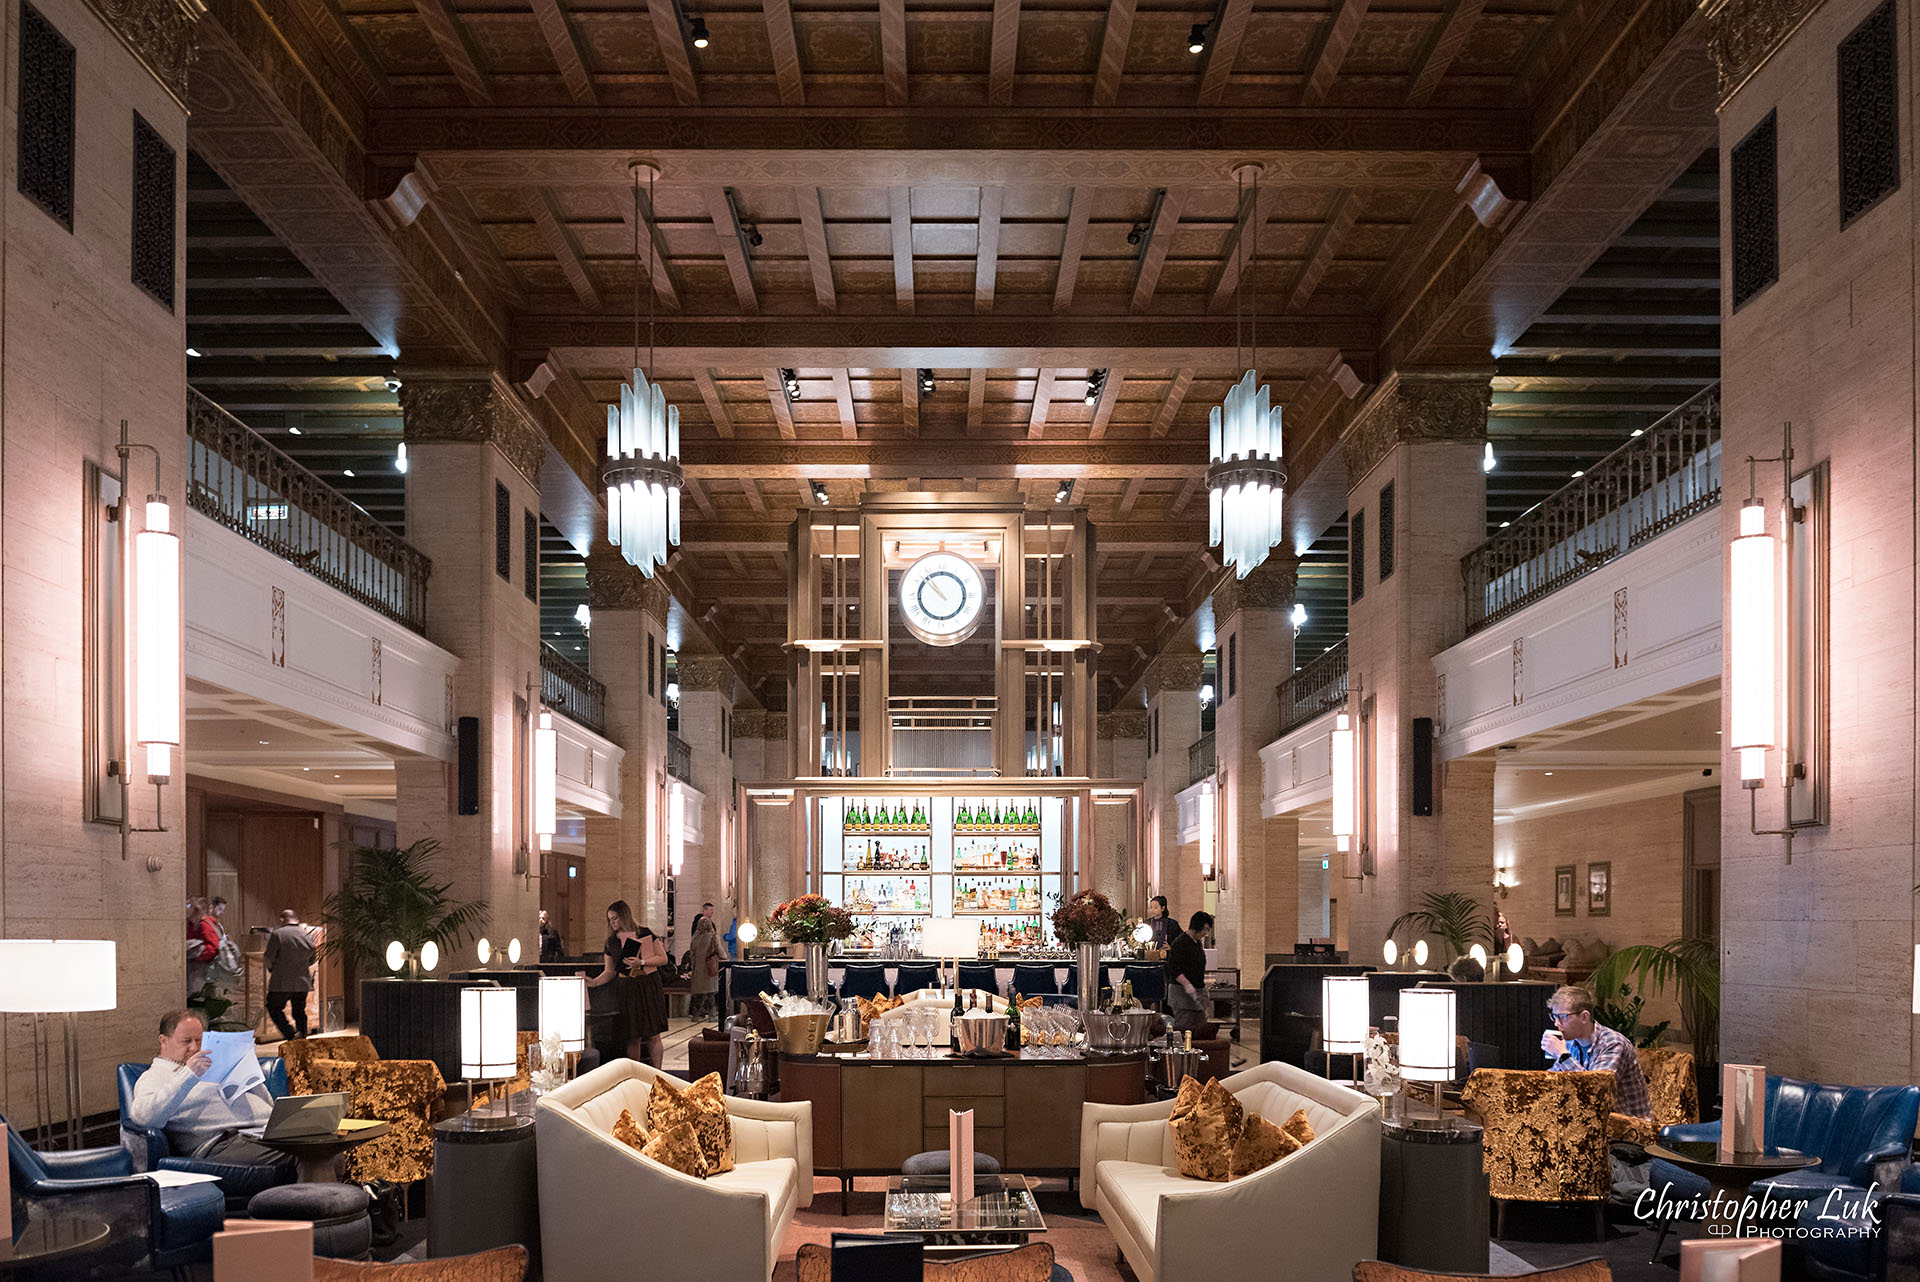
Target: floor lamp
x,y
42,977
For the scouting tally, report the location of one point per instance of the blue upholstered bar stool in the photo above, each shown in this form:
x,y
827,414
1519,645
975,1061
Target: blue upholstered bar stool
x,y
911,977
1034,979
865,979
984,976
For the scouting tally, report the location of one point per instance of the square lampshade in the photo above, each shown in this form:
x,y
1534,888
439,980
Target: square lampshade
x,y
1426,1034
1344,1014
54,976
563,1010
489,1045
950,937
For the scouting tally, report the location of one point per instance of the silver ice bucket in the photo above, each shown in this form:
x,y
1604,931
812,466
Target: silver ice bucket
x,y
981,1032
1129,1030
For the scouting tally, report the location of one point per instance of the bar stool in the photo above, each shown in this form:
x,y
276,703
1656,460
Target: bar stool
x,y
911,977
746,981
1149,984
1034,979
865,979
795,984
984,976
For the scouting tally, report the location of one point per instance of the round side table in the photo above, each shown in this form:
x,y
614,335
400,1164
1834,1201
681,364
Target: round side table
x,y
484,1191
1433,1196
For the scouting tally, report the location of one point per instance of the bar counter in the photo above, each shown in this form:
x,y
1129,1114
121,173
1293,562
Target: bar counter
x,y
870,1116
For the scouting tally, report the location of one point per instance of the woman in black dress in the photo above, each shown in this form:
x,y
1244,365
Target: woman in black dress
x,y
641,996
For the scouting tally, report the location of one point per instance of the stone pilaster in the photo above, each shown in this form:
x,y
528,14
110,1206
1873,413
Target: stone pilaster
x,y
707,691
1420,435
1173,726
760,756
466,444
1120,754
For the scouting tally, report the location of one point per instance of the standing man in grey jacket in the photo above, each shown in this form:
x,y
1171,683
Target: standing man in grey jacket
x,y
289,973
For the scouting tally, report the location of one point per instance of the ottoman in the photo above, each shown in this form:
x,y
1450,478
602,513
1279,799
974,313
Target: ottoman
x,y
939,1162
342,1229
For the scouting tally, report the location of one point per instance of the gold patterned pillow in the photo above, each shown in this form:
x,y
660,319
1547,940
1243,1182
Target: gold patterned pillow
x,y
1261,1143
1206,1122
702,1106
679,1147
1031,1263
628,1131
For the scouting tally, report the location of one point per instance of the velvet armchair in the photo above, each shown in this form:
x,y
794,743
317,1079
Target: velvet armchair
x,y
1545,1138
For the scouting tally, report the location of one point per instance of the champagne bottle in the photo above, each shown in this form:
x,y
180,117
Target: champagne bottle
x,y
1013,1025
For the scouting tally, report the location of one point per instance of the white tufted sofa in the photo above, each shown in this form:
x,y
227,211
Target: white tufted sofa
x,y
1309,1217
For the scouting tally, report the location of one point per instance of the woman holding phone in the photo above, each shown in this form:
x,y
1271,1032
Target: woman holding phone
x,y
635,957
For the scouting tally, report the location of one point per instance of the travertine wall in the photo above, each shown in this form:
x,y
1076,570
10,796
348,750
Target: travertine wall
x,y
81,348
1818,954
1173,684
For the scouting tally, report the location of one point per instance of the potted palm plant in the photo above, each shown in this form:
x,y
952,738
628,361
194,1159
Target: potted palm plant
x,y
1692,967
390,893
1459,920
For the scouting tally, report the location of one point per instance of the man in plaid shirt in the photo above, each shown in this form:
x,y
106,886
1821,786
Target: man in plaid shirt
x,y
1582,1044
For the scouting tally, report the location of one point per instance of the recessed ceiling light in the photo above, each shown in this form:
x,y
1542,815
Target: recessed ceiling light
x,y
292,431
347,472
263,743
1579,472
1197,38
1547,773
700,33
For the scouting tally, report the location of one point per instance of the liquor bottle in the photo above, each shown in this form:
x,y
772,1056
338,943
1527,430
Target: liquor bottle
x,y
953,1022
1013,1026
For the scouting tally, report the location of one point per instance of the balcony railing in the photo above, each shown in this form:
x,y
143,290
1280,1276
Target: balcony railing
x,y
568,688
679,758
1319,686
1646,487
238,479
1200,759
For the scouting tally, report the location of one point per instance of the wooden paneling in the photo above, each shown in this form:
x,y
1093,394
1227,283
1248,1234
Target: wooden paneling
x,y
1038,1100
280,868
881,1128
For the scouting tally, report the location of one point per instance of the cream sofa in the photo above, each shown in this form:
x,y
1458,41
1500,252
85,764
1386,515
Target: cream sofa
x,y
1310,1217
608,1214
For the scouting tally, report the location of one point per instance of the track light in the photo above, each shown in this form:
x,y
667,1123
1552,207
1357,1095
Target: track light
x,y
1065,491
400,458
1136,233
699,33
926,382
1197,38
752,233
1096,384
393,384
820,493
790,381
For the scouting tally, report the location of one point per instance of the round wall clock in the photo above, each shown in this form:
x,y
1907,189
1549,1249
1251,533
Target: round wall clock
x,y
942,598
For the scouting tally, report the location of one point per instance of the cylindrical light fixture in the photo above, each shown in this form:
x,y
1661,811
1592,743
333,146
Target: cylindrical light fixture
x,y
1753,702
563,1010
1427,1022
488,1024
1343,1014
546,764
1342,743
57,976
1207,831
1391,952
676,829
156,641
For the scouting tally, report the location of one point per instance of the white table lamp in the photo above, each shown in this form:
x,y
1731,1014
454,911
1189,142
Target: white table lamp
x,y
950,939
64,977
1344,1009
563,1010
1427,1023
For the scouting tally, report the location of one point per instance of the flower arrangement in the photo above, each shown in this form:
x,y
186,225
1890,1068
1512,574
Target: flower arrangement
x,y
811,919
1383,1066
551,1075
1087,918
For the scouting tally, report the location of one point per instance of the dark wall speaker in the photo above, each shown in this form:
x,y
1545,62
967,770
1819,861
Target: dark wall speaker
x,y
469,737
1423,765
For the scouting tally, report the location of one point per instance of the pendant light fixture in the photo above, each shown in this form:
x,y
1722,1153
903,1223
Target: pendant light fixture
x,y
642,474
1245,482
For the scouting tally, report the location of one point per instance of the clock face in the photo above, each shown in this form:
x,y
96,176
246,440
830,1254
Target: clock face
x,y
941,598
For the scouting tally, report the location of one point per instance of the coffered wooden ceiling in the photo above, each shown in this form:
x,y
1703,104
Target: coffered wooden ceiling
x,y
1011,195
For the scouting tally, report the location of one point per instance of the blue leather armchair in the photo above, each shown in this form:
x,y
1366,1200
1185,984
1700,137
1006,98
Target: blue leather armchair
x,y
166,1228
1862,1136
150,1151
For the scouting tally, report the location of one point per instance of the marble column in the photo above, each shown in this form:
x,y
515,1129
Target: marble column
x,y
707,691
1412,452
1173,726
626,857
1120,754
761,757
474,456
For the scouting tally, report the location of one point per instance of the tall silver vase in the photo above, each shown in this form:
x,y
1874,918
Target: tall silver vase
x,y
1088,986
817,972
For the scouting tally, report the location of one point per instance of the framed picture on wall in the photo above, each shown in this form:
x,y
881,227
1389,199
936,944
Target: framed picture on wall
x,y
1563,890
1600,888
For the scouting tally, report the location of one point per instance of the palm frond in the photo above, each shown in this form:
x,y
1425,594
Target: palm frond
x,y
1459,920
388,893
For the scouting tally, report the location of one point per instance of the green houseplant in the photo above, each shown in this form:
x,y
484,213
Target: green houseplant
x,y
388,893
1691,966
1459,920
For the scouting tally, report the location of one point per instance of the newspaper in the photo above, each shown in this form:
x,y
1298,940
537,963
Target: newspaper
x,y
235,1068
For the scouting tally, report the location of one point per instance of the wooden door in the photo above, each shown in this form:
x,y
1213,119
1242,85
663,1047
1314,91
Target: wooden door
x,y
563,894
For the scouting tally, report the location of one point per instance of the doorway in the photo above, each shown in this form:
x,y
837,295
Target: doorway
x,y
561,894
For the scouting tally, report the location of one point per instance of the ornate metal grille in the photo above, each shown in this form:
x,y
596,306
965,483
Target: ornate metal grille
x,y
1756,210
46,116
502,532
530,549
1316,688
1200,759
1386,531
1357,556
153,215
679,758
570,689
1869,84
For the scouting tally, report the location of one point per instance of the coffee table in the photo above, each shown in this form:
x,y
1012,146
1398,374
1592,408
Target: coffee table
x,y
315,1156
1001,1215
1730,1178
48,1237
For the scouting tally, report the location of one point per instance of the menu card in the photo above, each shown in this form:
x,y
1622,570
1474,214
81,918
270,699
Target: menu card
x,y
263,1251
1736,1260
960,1157
1743,1110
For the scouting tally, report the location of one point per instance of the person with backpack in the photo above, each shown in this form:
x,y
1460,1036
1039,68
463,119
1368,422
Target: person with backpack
x,y
203,944
290,953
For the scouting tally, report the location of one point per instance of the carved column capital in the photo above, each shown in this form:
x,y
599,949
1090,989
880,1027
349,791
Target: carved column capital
x,y
1416,405
1131,724
1743,34
1173,672
705,672
476,409
612,584
159,33
749,723
1271,586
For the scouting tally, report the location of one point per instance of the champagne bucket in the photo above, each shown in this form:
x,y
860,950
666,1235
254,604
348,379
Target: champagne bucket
x,y
1176,1063
801,1034
980,1032
1127,1031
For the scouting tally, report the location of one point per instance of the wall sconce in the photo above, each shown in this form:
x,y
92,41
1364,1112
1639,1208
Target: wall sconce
x,y
676,825
153,661
1208,800
1756,567
1350,777
546,766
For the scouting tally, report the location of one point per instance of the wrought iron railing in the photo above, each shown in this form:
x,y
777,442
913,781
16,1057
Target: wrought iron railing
x,y
237,478
1200,759
679,758
1646,487
1319,686
570,689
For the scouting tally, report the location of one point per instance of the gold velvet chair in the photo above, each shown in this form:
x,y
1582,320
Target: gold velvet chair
x,y
1672,1089
408,1093
501,1264
1545,1138
1594,1270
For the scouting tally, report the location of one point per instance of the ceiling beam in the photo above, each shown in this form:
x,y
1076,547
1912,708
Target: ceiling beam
x,y
910,401
451,40
1188,488
1223,49
755,499
716,409
900,220
663,287
976,398
726,230
1073,244
565,250
786,53
777,397
1153,255
995,459
565,49
843,398
1159,537
1170,403
1042,400
1113,52
1341,216
893,50
813,230
986,271
1449,37
1109,397
1255,212
1127,499
1005,48
671,34
1341,28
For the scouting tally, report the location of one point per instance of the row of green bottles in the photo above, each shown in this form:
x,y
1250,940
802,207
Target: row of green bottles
x,y
993,815
868,814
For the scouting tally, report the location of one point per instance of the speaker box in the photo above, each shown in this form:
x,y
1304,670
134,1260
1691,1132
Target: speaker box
x,y
1423,765
468,735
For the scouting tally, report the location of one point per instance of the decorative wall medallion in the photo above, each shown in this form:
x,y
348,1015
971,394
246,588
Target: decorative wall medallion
x,y
705,672
612,584
1519,670
377,696
1619,627
279,627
